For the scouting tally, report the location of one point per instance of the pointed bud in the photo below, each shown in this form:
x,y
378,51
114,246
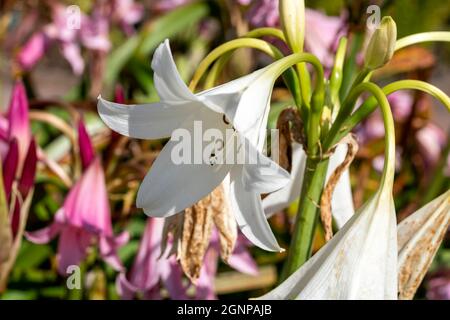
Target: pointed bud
x,y
26,181
10,166
19,122
292,16
85,145
382,45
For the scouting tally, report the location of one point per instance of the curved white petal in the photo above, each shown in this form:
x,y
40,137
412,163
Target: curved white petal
x,y
247,208
342,199
359,262
225,98
245,101
144,121
168,83
171,185
260,174
280,199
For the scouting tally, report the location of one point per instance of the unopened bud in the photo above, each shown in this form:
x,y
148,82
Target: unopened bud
x,y
382,44
292,16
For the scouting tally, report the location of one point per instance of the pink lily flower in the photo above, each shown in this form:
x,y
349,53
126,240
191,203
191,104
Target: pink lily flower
x,y
17,148
240,260
128,13
85,216
152,268
92,34
19,159
17,124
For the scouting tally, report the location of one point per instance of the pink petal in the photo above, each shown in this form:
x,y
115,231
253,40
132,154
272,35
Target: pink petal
x,y
33,50
322,35
19,122
72,248
108,251
119,94
87,204
29,170
205,283
10,166
15,219
85,144
95,33
125,289
72,53
172,277
242,261
46,234
146,268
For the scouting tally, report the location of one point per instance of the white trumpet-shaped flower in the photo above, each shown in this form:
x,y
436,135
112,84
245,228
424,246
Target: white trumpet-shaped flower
x,y
171,187
419,238
342,200
359,262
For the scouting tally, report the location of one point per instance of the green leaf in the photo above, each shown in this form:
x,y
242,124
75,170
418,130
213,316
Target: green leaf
x,y
32,255
169,25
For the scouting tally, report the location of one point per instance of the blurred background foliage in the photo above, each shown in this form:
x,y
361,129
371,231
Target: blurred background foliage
x,y
194,28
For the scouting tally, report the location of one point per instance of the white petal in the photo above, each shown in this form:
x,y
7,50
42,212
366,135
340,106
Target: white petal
x,y
342,200
225,98
170,187
419,238
144,121
244,101
260,174
168,83
357,263
247,208
280,199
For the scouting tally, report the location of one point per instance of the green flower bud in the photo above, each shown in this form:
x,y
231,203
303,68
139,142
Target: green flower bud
x,y
382,45
292,16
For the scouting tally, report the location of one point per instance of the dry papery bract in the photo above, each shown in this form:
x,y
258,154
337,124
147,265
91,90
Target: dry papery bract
x,y
191,231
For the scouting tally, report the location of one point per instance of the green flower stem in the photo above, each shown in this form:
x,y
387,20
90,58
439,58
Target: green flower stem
x,y
370,105
306,218
222,61
258,44
225,50
314,178
443,36
345,111
336,76
350,65
266,32
318,96
379,98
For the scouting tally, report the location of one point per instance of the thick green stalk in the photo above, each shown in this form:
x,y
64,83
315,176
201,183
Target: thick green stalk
x,y
306,219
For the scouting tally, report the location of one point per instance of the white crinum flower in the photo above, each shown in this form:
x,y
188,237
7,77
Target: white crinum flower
x,y
170,188
419,238
342,200
359,262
